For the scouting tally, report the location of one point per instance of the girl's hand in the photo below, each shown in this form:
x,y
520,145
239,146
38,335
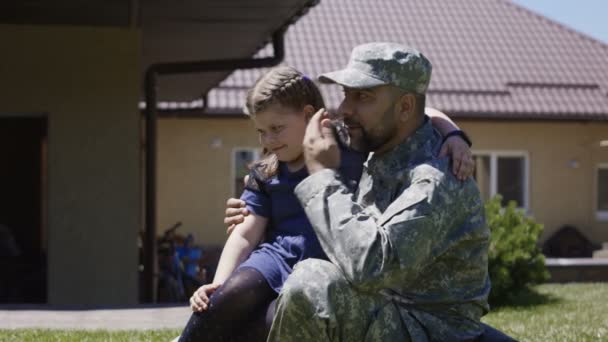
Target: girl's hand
x,y
462,158
200,299
320,147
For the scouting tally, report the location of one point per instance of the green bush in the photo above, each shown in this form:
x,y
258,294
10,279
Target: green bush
x,y
515,261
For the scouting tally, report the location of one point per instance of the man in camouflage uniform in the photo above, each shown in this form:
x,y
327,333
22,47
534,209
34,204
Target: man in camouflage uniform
x,y
408,249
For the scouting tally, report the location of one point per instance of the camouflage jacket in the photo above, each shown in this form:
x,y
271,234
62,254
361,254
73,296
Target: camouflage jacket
x,y
412,232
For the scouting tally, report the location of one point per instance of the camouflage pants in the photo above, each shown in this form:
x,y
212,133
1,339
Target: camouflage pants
x,y
318,304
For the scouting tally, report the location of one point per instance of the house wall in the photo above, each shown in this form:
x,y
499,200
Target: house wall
x,y
559,193
195,177
86,80
194,173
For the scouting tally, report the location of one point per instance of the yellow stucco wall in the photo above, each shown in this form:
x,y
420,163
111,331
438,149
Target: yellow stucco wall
x,y
195,178
87,81
559,193
194,173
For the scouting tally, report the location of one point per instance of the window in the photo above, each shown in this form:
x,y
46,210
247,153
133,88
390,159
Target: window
x,y
241,160
602,192
504,173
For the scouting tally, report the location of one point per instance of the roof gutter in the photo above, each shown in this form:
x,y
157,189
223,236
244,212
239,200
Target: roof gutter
x,y
151,113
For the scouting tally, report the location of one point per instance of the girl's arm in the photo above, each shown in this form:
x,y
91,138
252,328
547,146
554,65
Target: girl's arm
x,y
455,146
245,237
441,121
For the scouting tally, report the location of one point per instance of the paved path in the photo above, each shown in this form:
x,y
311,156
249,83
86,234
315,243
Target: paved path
x,y
132,318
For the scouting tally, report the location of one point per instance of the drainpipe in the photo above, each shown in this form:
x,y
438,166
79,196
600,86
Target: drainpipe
x,y
151,112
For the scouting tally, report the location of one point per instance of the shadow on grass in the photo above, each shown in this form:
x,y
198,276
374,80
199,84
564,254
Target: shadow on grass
x,y
525,298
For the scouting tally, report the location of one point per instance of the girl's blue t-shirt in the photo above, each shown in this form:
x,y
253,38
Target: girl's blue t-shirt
x,y
290,237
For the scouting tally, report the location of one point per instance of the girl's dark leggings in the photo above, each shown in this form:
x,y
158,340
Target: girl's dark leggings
x,y
240,310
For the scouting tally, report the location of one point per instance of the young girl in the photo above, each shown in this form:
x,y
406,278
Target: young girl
x,y
250,274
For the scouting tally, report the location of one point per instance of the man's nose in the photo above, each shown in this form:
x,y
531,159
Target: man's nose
x,y
345,110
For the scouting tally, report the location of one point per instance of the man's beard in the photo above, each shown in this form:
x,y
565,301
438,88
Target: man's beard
x,y
368,141
364,142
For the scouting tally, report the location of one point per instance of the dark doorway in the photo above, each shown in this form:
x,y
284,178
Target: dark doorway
x,y
23,209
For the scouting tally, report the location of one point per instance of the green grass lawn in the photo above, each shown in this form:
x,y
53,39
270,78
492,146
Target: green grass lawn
x,y
573,312
86,336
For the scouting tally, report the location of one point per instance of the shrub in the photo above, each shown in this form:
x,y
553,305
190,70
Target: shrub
x,y
515,261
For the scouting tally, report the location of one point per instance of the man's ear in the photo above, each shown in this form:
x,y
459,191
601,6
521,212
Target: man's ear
x,y
406,107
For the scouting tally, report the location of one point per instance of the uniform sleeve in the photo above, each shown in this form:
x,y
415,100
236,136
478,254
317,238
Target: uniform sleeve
x,y
369,246
256,198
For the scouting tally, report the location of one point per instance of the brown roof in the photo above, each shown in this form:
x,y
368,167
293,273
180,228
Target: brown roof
x,y
491,58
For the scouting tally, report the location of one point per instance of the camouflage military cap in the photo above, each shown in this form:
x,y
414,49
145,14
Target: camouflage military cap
x,y
376,64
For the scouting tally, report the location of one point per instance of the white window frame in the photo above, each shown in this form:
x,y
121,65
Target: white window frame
x,y
494,155
600,215
257,152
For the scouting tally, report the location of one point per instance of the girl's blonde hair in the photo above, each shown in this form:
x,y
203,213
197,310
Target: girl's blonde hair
x,y
287,87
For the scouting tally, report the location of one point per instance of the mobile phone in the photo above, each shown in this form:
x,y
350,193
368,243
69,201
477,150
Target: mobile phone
x,y
341,132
